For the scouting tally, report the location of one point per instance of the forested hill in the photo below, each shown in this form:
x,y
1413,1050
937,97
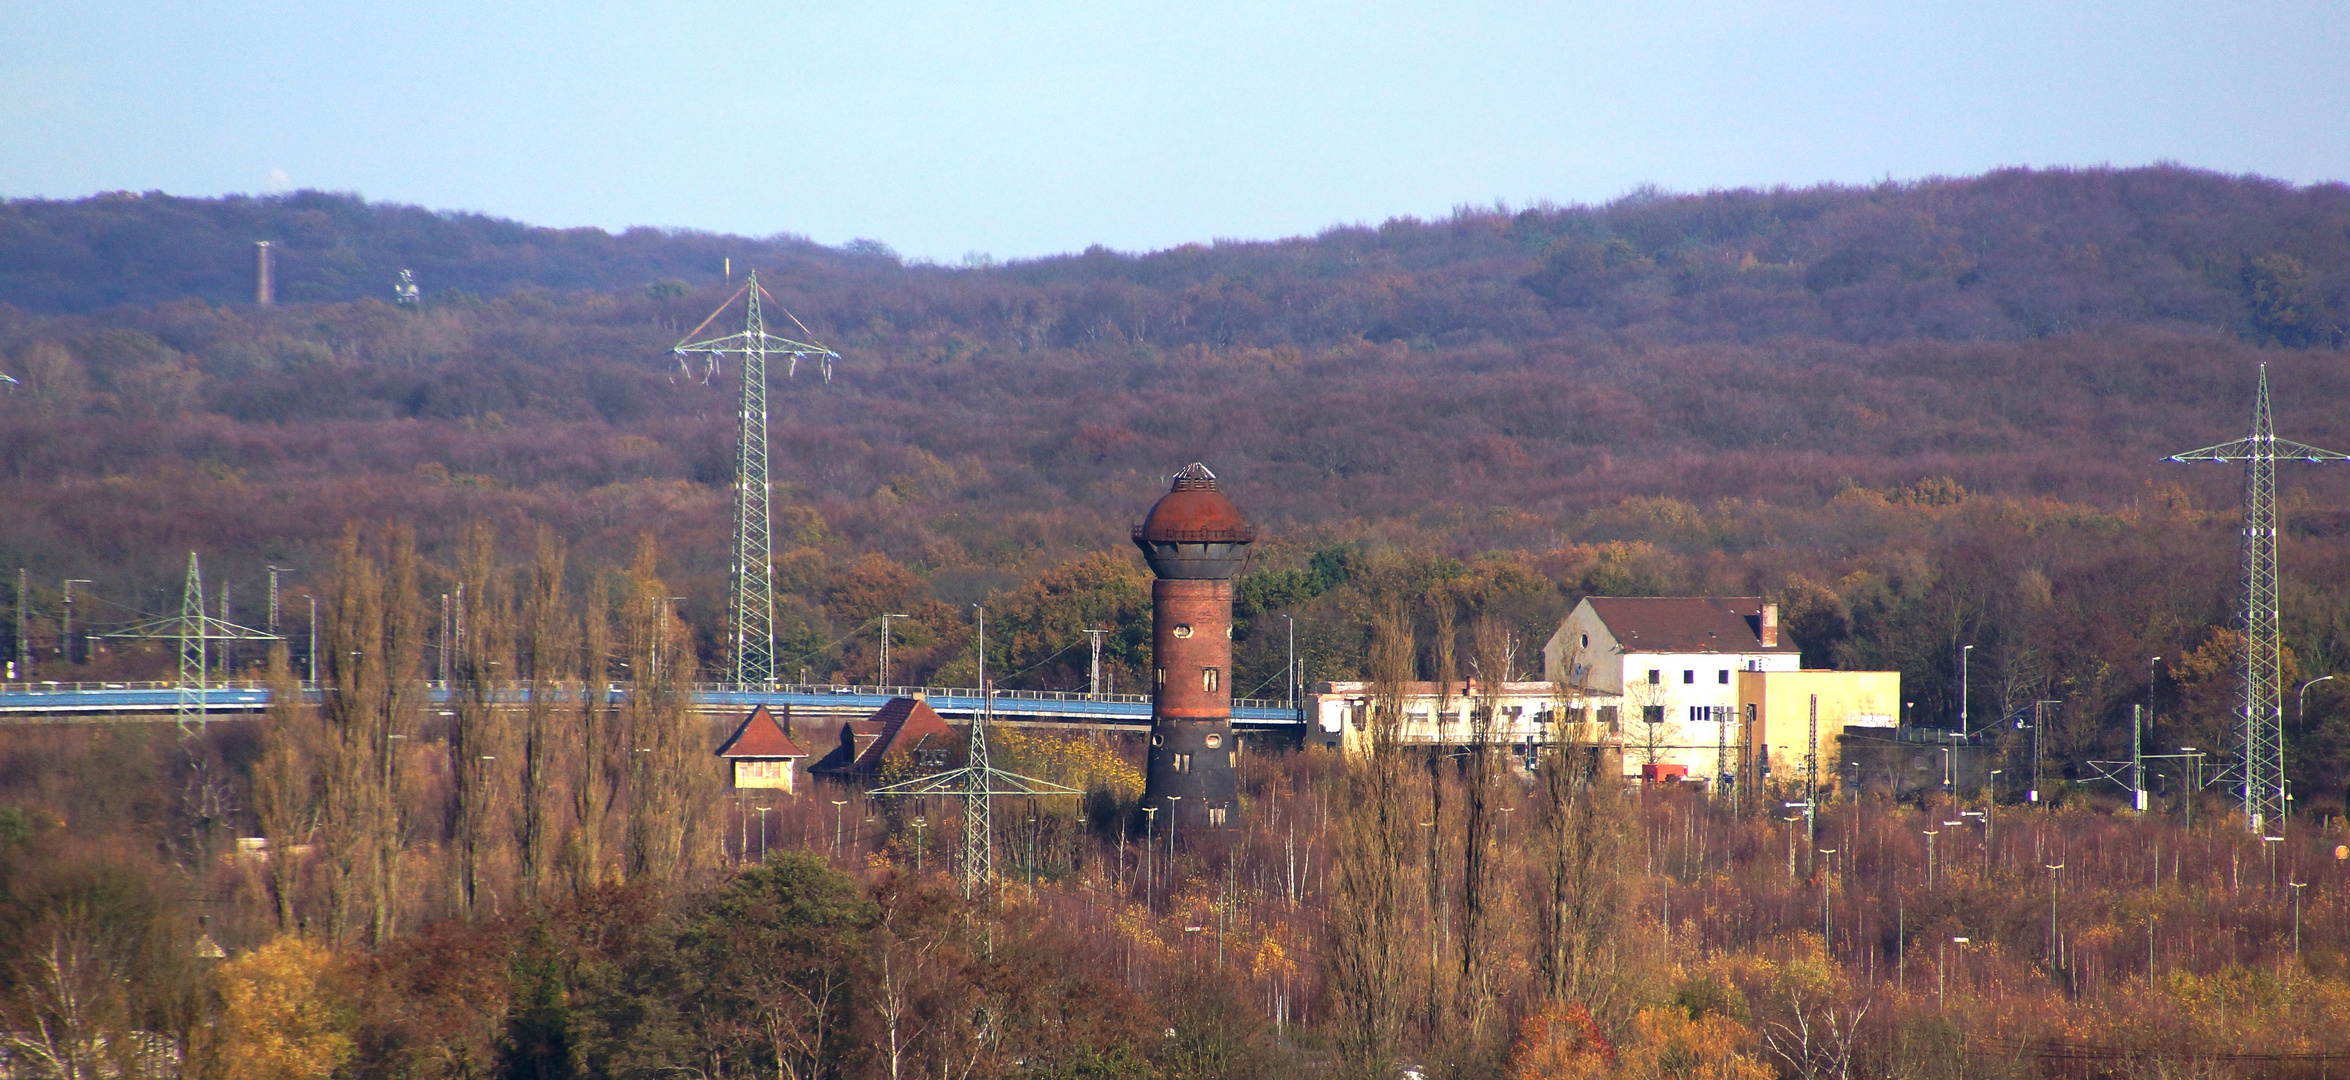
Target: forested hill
x,y
1916,414
2013,254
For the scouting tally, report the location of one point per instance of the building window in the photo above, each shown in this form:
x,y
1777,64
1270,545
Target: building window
x,y
1688,676
1607,716
1655,676
1216,815
1725,679
1162,676
1586,641
1208,678
1215,741
1654,714
1183,763
1182,630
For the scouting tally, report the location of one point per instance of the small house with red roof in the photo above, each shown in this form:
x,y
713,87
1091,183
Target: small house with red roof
x,y
762,752
905,733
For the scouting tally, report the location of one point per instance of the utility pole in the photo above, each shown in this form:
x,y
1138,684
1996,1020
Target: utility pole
x,y
1291,676
884,672
24,648
2137,759
1093,670
65,645
1811,777
313,653
274,608
751,599
228,655
2263,711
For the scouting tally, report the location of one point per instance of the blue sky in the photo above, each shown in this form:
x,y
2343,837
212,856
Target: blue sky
x,y
1021,130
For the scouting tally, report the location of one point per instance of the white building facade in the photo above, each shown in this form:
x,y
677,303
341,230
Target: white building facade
x,y
1525,715
1670,663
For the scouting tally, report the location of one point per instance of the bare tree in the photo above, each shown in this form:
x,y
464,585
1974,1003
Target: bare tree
x,y
549,647
285,795
1364,962
484,670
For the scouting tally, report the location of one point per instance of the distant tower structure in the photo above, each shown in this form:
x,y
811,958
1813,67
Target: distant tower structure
x,y
406,292
264,287
2264,711
1196,542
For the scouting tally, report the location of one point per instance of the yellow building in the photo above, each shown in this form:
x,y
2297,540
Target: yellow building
x,y
1777,710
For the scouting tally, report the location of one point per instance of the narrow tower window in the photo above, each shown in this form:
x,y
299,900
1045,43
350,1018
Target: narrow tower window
x,y
1208,679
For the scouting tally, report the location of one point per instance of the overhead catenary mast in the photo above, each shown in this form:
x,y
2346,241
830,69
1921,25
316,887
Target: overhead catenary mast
x,y
750,603
2263,699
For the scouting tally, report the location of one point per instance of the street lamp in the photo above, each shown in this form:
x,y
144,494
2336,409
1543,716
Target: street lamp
x,y
1941,967
884,672
2297,886
2052,960
1930,835
839,818
1150,853
2271,855
919,825
1962,688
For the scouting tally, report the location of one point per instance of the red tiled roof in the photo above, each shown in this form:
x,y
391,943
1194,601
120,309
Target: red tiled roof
x,y
760,736
1688,624
898,727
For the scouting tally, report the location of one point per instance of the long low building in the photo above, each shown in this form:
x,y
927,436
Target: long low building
x,y
1526,714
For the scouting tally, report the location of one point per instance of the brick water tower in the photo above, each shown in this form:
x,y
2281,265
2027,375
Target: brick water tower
x,y
1196,542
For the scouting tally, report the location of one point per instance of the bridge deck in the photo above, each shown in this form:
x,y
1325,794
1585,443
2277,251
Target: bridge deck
x,y
65,701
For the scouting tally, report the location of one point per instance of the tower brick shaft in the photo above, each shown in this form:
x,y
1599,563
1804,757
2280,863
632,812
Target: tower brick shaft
x,y
1196,542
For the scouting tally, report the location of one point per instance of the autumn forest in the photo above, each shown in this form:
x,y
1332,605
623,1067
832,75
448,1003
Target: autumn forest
x,y
1917,416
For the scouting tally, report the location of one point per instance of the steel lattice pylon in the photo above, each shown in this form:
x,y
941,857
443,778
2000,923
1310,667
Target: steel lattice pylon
x,y
2263,701
195,632
750,603
978,782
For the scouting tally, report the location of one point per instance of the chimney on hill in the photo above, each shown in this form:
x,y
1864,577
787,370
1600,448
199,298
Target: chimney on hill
x,y
264,289
1770,626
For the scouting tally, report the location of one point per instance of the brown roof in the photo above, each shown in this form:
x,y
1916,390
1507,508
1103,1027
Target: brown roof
x,y
900,727
1688,624
760,736
1193,511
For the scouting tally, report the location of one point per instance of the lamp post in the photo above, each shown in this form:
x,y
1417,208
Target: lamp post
x,y
2270,854
2053,964
919,825
883,673
839,818
1941,968
1962,688
2297,886
1930,835
1150,853
313,639
763,832
1791,819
